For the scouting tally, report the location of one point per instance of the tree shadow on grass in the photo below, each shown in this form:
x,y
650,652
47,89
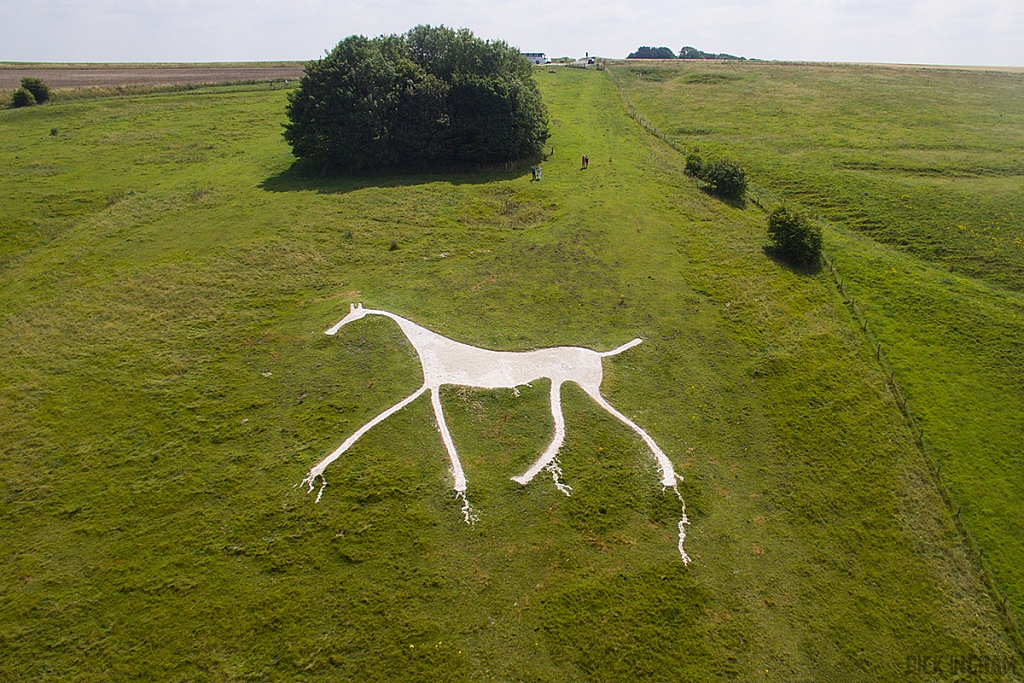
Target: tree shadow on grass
x,y
740,203
800,269
304,176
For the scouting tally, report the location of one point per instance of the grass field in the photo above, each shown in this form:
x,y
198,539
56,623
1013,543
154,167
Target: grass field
x,y
917,175
165,382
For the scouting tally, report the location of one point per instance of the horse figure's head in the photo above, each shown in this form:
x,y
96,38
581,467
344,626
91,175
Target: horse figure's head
x,y
355,312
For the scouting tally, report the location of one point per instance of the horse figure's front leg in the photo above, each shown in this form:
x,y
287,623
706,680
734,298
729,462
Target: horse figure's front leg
x,y
453,456
318,469
442,426
548,456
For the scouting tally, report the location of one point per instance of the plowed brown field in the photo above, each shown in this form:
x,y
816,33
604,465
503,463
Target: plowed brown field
x,y
107,75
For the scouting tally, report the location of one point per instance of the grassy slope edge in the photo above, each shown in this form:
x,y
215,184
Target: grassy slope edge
x,y
917,174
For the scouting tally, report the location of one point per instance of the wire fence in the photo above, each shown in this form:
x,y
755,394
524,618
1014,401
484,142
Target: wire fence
x,y
640,118
764,198
975,550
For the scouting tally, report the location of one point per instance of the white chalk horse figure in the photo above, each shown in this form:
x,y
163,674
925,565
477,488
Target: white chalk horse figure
x,y
450,362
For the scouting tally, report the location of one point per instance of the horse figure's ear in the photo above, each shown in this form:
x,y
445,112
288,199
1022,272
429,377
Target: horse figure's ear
x,y
351,308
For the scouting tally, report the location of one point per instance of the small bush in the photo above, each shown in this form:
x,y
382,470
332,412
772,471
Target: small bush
x,y
793,238
695,165
726,178
40,91
22,98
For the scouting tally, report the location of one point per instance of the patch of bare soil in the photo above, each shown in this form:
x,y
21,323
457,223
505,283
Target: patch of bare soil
x,y
85,75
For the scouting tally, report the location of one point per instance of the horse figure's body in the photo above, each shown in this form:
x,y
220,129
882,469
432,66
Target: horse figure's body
x,y
451,362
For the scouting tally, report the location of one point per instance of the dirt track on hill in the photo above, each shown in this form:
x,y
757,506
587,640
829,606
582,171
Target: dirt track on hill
x,y
84,75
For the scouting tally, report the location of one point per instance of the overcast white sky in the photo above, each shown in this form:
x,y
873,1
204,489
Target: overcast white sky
x,y
976,32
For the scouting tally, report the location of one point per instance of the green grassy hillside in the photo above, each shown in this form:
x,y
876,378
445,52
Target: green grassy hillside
x,y
925,159
917,174
166,279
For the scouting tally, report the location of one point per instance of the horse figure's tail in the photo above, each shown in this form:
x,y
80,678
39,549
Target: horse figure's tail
x,y
625,347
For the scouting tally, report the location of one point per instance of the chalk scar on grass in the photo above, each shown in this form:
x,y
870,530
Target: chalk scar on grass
x,y
446,361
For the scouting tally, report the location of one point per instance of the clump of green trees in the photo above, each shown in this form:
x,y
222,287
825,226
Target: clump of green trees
x,y
646,52
431,97
724,177
32,91
793,238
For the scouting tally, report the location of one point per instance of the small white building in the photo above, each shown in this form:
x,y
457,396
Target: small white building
x,y
536,57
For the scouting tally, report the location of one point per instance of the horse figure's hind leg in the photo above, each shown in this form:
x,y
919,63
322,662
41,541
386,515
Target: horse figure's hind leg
x,y
442,426
556,442
318,469
668,474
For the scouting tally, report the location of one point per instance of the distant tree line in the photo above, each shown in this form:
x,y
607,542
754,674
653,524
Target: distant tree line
x,y
694,53
646,52
432,96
